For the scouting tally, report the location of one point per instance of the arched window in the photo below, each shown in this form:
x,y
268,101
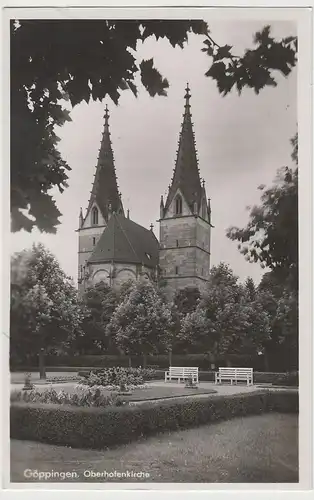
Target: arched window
x,y
95,216
178,205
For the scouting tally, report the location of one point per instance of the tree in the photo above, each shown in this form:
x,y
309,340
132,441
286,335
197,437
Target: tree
x,y
184,302
186,299
281,304
100,302
227,320
141,324
250,289
288,319
45,309
271,235
53,60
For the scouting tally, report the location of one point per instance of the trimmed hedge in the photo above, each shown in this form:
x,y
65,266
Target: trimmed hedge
x,y
104,427
203,361
280,379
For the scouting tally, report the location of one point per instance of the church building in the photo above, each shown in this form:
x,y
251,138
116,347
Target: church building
x,y
115,249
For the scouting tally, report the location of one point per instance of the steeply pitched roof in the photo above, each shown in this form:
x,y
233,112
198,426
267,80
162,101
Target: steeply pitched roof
x,y
125,241
186,174
105,188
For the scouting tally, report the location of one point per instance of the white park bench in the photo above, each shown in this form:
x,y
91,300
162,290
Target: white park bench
x,y
182,373
234,375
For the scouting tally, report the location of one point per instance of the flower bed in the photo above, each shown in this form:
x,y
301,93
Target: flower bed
x,y
118,377
85,396
90,427
74,378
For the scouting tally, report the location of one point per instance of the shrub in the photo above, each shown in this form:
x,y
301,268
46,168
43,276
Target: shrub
x,y
120,377
283,401
93,396
287,379
102,427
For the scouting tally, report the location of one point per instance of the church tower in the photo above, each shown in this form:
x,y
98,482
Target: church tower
x,y
104,201
185,218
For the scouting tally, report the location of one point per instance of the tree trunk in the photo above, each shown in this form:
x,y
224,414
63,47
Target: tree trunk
x,y
266,362
130,362
144,360
170,357
42,369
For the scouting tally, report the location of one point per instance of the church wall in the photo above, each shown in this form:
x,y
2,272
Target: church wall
x,y
122,272
203,234
202,263
182,258
192,235
86,245
86,242
172,285
182,229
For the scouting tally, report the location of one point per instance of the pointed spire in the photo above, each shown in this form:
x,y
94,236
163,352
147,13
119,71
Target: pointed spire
x,y
81,218
186,174
187,96
162,206
105,186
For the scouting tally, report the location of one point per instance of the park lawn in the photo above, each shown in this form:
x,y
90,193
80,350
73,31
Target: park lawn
x,y
255,449
161,392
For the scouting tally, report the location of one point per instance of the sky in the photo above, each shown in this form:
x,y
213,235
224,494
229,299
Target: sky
x,y
241,142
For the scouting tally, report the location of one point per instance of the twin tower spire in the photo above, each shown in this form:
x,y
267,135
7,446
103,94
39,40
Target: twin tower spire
x,y
185,177
105,191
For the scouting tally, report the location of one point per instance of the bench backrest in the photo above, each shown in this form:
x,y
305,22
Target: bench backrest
x,y
235,371
183,370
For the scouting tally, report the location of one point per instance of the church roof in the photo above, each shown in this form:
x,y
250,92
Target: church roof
x,y
105,187
186,173
125,241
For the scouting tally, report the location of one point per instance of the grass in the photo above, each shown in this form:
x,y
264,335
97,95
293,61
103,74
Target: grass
x,y
162,392
261,448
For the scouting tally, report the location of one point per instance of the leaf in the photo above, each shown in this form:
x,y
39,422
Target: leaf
x,y
216,70
152,79
209,49
223,52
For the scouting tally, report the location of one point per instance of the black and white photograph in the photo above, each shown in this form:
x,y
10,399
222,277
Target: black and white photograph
x,y
154,247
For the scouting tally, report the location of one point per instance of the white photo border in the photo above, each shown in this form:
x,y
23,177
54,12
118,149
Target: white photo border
x,y
303,14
